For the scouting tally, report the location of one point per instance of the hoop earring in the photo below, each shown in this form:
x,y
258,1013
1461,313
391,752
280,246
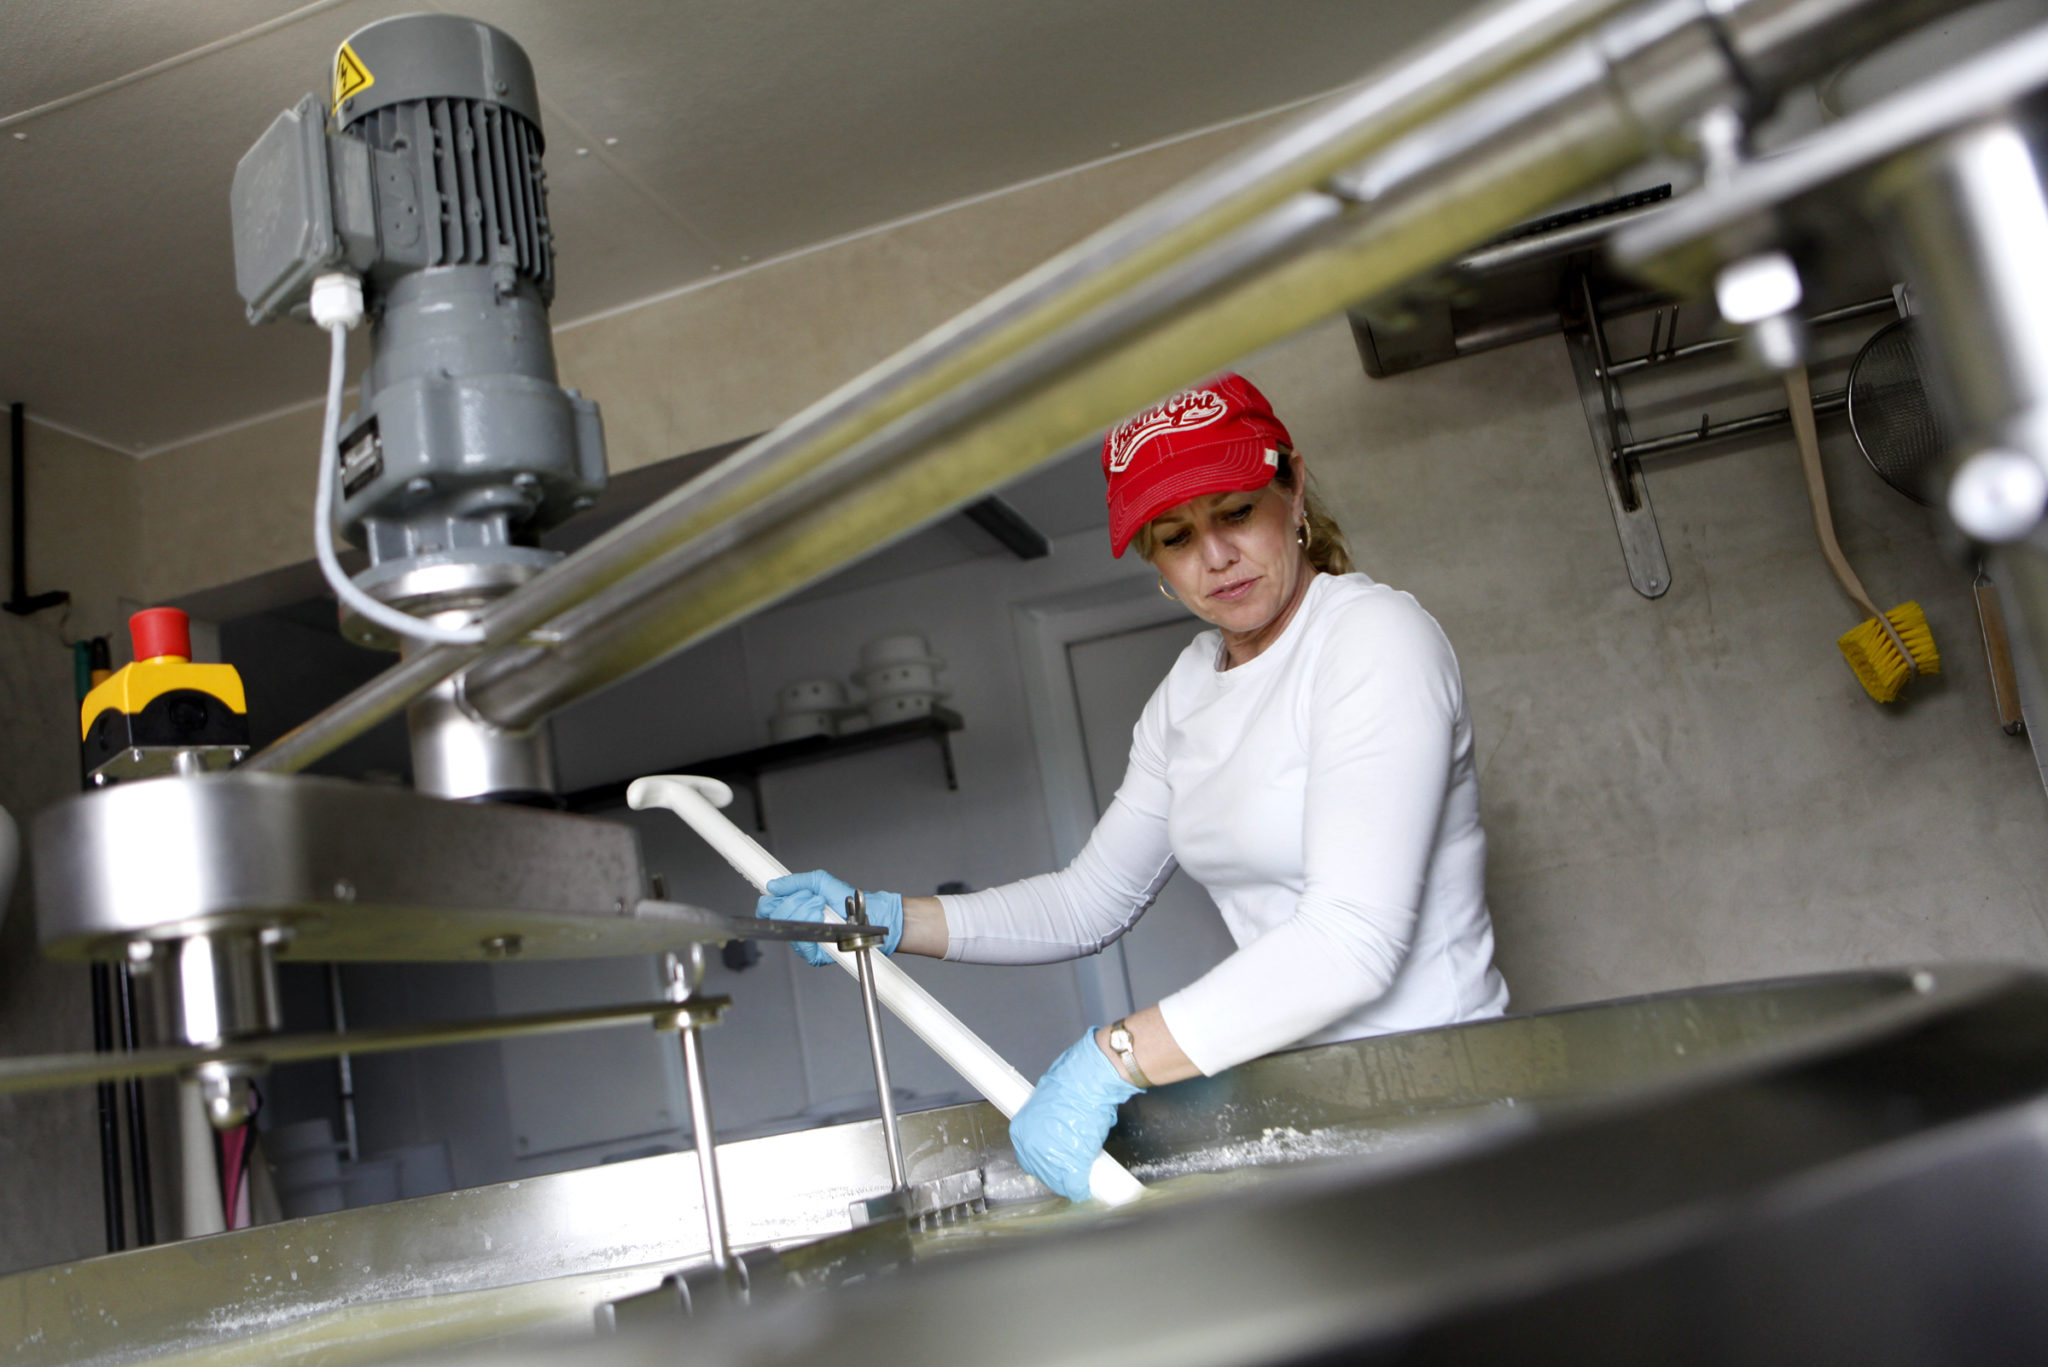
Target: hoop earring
x,y
1164,592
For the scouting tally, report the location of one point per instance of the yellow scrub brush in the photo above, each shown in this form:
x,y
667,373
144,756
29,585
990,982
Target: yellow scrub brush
x,y
1892,647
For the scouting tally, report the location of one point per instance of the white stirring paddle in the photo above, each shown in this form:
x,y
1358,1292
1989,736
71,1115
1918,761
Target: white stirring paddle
x,y
697,800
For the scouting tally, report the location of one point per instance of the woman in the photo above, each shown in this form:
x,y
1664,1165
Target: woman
x,y
1309,762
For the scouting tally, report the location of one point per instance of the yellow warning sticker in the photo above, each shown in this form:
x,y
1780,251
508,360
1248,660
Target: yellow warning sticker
x,y
351,77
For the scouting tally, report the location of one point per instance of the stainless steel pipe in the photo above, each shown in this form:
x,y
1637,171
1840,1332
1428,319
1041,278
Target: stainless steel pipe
x,y
683,973
705,1138
1971,212
1235,259
226,986
455,755
878,1054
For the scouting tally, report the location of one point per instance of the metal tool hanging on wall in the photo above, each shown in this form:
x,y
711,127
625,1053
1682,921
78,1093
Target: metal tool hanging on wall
x,y
1621,453
1897,424
1551,277
1900,428
1541,279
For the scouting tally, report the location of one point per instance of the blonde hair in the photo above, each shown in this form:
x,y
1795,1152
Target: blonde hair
x,y
1326,548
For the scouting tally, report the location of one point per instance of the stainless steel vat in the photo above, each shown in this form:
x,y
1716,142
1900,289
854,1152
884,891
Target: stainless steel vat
x,y
1871,1189
541,1254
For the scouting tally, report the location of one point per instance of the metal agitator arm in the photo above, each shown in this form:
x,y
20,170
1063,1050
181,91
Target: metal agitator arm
x,y
1513,110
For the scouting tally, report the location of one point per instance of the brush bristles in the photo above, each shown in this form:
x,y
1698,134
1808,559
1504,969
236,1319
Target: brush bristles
x,y
1879,667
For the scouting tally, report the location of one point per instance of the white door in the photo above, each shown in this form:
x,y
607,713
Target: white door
x,y
1182,936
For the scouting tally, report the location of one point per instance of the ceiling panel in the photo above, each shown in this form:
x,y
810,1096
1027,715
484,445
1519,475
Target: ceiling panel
x,y
613,244
118,283
712,133
772,126
56,47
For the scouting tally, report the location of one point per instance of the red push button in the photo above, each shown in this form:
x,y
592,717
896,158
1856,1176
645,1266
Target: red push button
x,y
161,631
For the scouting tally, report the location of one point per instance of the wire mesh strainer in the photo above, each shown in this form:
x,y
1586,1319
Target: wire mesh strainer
x,y
1897,426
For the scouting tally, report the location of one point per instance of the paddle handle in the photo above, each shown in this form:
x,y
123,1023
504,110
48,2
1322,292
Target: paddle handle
x,y
697,800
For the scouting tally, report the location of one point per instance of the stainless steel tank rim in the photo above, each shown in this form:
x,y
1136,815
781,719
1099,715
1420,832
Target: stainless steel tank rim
x,y
792,1189
1336,1257
1934,993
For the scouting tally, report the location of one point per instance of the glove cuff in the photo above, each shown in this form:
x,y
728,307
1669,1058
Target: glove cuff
x,y
1112,1084
886,908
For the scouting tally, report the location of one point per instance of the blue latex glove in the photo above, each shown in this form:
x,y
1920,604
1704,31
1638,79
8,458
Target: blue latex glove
x,y
1061,1129
804,896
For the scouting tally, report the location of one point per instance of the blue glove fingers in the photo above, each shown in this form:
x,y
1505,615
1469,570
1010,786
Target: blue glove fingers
x,y
833,891
1061,1129
795,904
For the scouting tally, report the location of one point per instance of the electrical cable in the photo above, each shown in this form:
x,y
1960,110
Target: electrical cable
x,y
236,1147
383,614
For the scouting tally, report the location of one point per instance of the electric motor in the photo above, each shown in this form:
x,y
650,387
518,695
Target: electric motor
x,y
421,176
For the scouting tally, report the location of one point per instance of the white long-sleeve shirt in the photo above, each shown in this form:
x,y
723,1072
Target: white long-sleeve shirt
x,y
1324,793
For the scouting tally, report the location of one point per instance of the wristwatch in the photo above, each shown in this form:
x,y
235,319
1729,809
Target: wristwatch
x,y
1121,1044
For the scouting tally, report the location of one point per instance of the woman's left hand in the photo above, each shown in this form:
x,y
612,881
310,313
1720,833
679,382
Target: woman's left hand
x,y
1060,1130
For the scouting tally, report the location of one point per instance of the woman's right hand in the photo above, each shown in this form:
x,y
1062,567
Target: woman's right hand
x,y
804,897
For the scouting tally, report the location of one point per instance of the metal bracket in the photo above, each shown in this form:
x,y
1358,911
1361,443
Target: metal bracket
x,y
1628,497
926,1205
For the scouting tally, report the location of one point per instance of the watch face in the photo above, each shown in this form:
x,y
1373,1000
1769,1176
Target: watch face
x,y
1120,1040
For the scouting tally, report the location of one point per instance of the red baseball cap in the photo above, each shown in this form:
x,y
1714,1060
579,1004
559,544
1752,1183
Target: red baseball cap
x,y
1219,436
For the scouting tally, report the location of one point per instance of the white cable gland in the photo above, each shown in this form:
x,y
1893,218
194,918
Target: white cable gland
x,y
337,299
1998,495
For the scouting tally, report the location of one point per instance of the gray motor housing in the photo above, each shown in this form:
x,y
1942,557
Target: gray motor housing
x,y
424,178
435,160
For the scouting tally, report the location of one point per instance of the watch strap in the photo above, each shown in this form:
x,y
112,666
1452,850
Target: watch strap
x,y
1125,1048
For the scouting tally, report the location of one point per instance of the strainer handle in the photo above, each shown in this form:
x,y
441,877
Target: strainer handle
x,y
1806,433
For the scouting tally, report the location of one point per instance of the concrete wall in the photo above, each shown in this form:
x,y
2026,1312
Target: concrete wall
x,y
1694,789
82,515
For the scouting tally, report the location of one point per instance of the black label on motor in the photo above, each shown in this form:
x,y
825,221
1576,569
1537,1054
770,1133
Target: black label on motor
x,y
362,458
